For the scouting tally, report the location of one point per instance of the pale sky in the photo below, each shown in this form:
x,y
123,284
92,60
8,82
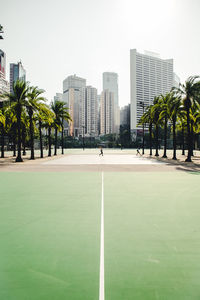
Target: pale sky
x,y
55,39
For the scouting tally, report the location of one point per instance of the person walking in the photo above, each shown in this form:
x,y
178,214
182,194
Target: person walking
x,y
138,151
101,151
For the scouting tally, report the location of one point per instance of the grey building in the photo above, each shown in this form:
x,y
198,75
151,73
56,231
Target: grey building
x,y
17,71
125,115
73,87
107,113
110,83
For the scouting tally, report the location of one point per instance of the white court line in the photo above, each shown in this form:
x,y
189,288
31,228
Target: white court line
x,y
101,277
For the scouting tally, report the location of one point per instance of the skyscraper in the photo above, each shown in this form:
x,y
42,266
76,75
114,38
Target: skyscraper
x,y
150,76
90,111
17,71
4,85
110,82
125,115
58,96
107,113
73,96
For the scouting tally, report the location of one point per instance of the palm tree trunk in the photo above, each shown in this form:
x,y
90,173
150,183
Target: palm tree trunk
x,y
150,138
62,137
188,159
157,154
174,139
2,141
165,139
31,135
56,133
14,142
23,141
49,138
41,146
183,141
19,157
192,138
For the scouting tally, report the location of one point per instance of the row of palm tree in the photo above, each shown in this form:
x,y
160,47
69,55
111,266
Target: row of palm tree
x,y
180,108
25,111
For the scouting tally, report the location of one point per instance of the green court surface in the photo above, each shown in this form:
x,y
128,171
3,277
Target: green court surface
x,y
49,232
50,235
152,236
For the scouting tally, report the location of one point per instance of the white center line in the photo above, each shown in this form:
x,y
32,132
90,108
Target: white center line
x,y
101,278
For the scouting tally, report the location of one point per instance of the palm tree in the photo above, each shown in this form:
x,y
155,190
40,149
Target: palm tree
x,y
48,123
156,110
61,114
147,118
174,105
190,91
17,99
42,117
32,105
25,127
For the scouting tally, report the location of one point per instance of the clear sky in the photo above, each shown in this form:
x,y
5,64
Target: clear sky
x,y
55,39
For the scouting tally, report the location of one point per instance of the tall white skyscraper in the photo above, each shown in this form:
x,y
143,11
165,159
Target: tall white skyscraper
x,y
107,112
73,96
90,111
150,76
110,82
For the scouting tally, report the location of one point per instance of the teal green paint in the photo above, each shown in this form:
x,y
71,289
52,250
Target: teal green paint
x,y
152,236
49,233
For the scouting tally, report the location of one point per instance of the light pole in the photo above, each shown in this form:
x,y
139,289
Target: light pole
x,y
142,105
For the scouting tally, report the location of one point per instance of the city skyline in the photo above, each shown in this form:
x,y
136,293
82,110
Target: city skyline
x,y
63,42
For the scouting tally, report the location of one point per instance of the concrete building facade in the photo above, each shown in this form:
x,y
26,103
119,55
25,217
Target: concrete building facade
x,y
73,87
58,96
107,113
90,111
4,84
17,71
110,82
150,76
125,115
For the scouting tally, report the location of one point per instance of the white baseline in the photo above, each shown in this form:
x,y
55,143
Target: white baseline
x,y
101,277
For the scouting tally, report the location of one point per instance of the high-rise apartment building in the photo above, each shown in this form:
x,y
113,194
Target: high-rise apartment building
x,y
90,111
17,71
150,76
73,96
107,113
110,82
4,85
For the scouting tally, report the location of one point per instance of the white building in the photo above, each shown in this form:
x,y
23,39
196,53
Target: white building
x,y
73,96
90,111
110,82
150,76
107,113
4,85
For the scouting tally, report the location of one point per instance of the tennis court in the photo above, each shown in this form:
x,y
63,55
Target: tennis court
x,y
53,244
